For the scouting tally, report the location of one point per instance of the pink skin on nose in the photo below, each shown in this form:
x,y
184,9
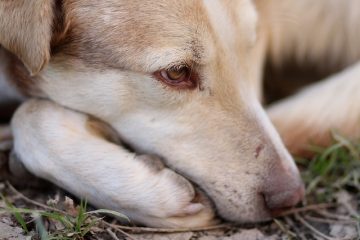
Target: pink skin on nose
x,y
284,200
284,188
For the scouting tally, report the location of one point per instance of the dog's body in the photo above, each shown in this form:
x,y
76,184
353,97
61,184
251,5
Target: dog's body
x,y
112,60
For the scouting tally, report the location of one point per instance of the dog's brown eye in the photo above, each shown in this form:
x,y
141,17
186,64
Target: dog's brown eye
x,y
174,74
181,78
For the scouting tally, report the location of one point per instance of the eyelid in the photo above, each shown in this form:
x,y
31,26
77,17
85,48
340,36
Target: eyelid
x,y
176,66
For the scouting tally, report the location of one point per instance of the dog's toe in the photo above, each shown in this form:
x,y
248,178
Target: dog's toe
x,y
172,199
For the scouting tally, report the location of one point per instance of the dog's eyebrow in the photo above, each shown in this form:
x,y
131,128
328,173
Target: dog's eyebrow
x,y
167,57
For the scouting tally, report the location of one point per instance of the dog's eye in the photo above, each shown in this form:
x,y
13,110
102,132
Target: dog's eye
x,y
175,74
181,78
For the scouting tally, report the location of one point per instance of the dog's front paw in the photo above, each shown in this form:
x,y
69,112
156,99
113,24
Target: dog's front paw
x,y
174,201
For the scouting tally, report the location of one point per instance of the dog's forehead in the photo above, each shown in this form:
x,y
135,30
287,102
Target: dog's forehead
x,y
129,32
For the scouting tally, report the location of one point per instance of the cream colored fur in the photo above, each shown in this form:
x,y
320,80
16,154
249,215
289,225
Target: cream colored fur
x,y
104,173
218,136
323,33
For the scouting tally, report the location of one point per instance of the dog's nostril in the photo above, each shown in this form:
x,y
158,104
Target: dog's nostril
x,y
284,199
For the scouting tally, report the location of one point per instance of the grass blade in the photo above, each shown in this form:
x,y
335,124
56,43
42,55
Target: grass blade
x,y
109,212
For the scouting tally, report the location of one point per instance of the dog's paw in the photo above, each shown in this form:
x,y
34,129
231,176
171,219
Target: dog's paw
x,y
174,201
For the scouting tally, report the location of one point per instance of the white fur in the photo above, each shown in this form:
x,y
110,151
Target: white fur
x,y
329,105
106,174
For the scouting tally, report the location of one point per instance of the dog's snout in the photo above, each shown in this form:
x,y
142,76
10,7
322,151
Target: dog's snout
x,y
281,199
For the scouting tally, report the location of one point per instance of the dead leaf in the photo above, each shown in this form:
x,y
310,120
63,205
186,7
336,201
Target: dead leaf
x,y
70,206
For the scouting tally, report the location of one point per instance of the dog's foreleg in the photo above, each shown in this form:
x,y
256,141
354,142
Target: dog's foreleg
x,y
309,116
66,148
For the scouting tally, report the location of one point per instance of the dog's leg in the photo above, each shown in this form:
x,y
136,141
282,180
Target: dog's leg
x,y
66,148
310,115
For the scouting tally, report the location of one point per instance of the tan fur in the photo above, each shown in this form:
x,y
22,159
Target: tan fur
x,y
308,117
102,130
104,55
325,36
26,31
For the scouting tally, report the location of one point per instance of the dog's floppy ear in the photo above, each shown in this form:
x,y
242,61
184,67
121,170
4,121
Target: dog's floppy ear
x,y
26,31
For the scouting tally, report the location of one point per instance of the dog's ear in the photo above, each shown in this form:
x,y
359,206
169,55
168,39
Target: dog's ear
x,y
26,31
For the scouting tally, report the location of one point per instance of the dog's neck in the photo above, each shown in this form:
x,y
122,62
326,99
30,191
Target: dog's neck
x,y
313,37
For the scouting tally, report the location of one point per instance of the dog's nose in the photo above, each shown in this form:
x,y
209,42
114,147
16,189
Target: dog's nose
x,y
281,199
283,188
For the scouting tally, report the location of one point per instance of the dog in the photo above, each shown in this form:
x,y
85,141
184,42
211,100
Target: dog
x,y
153,108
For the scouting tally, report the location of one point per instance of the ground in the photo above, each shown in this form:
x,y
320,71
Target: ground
x,y
331,210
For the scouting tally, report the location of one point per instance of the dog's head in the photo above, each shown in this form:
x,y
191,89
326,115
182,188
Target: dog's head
x,y
179,79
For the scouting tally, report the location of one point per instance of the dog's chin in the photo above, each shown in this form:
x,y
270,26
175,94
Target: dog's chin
x,y
250,211
244,213
259,217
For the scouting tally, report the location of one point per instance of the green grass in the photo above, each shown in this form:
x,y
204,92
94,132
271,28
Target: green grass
x,y
332,169
70,226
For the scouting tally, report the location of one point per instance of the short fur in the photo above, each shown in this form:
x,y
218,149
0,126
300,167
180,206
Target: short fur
x,y
97,58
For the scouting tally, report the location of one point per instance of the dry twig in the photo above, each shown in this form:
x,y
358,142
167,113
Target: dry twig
x,y
298,232
165,230
333,216
308,225
308,208
113,235
329,221
35,203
